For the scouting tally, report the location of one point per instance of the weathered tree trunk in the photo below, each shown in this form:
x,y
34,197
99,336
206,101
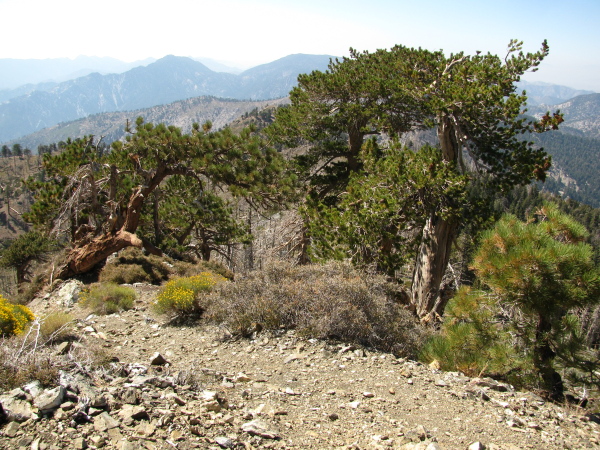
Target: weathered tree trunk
x,y
438,237
83,258
431,264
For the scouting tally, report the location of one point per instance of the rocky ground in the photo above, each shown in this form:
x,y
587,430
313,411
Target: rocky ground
x,y
189,387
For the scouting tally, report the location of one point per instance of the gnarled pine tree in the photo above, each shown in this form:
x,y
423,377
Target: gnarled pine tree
x,y
103,194
470,101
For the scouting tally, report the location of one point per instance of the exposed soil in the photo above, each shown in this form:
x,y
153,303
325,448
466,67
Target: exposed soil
x,y
296,393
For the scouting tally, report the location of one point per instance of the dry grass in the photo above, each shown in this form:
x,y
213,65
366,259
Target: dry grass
x,y
108,298
56,327
322,301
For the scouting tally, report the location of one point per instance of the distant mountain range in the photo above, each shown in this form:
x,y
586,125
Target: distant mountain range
x,y
164,81
539,93
184,113
15,73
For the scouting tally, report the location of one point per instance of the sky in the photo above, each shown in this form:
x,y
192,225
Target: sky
x,y
245,33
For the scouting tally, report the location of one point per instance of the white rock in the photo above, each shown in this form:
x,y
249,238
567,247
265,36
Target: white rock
x,y
50,399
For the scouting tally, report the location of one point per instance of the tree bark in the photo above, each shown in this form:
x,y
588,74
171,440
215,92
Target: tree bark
x,y
83,259
437,239
431,264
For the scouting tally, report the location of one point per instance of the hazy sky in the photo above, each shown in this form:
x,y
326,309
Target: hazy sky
x,y
250,32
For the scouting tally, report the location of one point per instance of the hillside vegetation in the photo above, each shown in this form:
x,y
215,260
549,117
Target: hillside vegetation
x,y
433,263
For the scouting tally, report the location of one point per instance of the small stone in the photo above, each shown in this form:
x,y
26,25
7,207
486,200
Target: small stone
x,y
177,399
354,405
133,412
50,399
476,446
435,365
12,429
130,396
260,428
67,406
34,388
63,348
392,391
16,410
347,348
333,417
104,422
158,360
98,441
145,429
224,442
440,382
290,358
79,443
176,435
368,394
242,378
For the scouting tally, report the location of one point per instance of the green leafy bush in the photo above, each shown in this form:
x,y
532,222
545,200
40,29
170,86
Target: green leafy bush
x,y
108,298
13,318
181,296
323,301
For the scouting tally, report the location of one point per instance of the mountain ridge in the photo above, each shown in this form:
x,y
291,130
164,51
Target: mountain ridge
x,y
169,79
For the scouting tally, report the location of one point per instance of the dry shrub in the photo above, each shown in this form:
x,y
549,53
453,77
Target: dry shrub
x,y
132,266
56,327
188,269
322,301
21,362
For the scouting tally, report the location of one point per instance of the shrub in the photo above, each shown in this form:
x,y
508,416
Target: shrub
x,y
475,340
56,327
13,318
188,269
108,298
181,296
132,266
322,301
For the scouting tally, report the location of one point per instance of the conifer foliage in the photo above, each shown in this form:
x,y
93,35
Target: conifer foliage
x,y
98,197
534,276
469,100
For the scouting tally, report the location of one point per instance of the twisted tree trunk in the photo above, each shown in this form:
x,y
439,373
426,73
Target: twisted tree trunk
x,y
436,243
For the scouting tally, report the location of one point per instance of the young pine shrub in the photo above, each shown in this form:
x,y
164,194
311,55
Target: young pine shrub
x,y
108,298
13,318
474,339
182,296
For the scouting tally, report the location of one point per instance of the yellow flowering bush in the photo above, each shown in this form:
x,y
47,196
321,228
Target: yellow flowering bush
x,y
13,318
181,295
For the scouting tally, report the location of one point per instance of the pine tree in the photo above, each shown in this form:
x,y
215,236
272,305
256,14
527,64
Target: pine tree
x,y
469,100
545,270
101,196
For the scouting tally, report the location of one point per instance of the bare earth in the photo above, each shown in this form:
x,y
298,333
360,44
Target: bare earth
x,y
279,391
